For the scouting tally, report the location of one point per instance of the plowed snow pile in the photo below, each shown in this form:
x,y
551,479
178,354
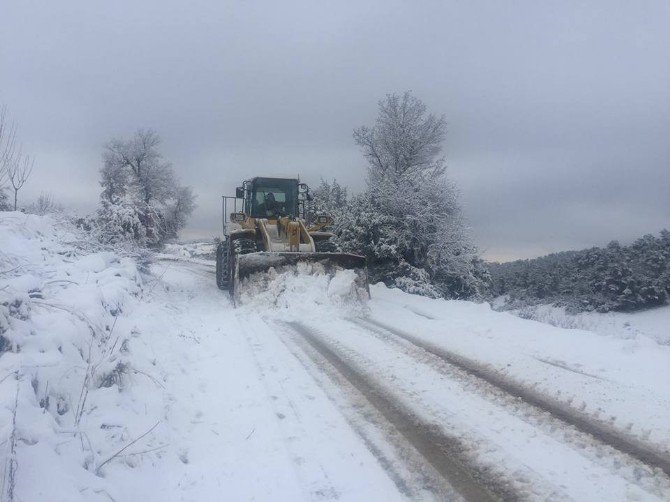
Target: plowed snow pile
x,y
306,286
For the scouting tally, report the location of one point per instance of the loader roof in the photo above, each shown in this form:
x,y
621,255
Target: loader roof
x,y
273,178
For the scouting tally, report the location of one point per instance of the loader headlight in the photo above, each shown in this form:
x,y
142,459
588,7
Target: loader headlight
x,y
322,219
238,217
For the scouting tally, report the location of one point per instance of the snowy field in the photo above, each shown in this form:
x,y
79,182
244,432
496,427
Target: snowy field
x,y
121,384
653,323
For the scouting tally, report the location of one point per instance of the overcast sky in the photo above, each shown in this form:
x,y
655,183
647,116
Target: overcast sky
x,y
558,112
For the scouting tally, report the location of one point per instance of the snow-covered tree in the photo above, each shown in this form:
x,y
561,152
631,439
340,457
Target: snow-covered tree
x,y
178,210
141,197
405,141
330,197
408,221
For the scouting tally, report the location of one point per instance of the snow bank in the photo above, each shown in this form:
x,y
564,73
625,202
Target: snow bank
x,y
653,323
66,359
615,380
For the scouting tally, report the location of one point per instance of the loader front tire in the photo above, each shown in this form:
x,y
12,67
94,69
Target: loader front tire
x,y
244,246
241,245
223,266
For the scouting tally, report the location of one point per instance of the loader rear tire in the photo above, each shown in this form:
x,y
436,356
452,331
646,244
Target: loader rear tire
x,y
223,266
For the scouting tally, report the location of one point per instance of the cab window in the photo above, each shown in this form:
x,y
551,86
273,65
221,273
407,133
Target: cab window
x,y
261,193
283,192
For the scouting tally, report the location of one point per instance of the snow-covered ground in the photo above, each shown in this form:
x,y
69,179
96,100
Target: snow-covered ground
x,y
192,249
118,385
653,323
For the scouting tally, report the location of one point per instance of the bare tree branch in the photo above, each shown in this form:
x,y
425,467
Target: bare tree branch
x,y
9,478
15,167
18,172
8,149
126,447
406,139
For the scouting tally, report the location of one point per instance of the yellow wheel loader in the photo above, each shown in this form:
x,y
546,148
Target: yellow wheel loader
x,y
268,224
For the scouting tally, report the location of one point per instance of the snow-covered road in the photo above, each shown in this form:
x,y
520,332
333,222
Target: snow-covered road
x,y
333,402
245,420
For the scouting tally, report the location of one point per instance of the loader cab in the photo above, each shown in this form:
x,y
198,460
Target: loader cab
x,y
272,197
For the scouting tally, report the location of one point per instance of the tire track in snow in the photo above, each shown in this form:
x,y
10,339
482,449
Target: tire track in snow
x,y
269,374
190,261
402,463
442,452
601,432
197,267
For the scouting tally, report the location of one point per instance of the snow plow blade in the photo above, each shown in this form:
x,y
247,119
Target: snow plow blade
x,y
253,263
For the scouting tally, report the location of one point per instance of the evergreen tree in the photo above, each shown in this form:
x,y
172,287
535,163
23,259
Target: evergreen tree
x,y
330,197
602,279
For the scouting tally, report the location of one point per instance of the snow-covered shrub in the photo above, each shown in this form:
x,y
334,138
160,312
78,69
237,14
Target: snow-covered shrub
x,y
45,204
4,201
415,281
125,221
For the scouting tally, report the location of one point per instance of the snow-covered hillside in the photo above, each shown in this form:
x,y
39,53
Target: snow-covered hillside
x,y
122,385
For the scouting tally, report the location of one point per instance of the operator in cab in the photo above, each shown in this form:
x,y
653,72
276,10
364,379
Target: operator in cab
x,y
270,208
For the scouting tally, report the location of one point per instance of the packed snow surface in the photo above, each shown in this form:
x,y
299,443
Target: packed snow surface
x,y
117,384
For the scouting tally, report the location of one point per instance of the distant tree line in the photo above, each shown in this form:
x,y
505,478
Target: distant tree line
x,y
408,220
615,277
